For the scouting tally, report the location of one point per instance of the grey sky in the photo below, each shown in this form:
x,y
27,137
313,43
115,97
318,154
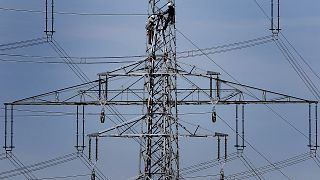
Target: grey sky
x,y
207,23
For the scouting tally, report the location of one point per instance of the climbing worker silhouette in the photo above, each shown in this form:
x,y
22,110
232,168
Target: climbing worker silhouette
x,y
171,15
150,28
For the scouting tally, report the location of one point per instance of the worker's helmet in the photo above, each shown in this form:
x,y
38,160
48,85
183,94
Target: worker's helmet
x,y
170,4
153,16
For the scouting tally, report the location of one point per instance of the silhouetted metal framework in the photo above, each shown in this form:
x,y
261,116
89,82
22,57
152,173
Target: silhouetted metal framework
x,y
194,89
160,155
160,85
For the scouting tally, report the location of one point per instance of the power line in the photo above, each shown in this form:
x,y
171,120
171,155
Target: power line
x,y
89,164
60,113
62,53
23,41
238,46
206,165
255,149
72,13
188,39
251,166
269,168
73,57
59,62
23,44
63,177
73,63
183,54
230,45
20,167
298,69
308,83
301,57
271,109
262,10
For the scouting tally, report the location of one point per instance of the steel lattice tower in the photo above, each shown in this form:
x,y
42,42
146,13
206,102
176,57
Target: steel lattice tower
x,y
153,85
160,153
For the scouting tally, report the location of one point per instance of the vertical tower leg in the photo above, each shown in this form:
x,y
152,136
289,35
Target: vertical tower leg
x,y
159,152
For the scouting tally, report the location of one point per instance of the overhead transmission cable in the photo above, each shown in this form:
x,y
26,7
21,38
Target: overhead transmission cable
x,y
22,169
63,177
301,73
257,177
301,57
190,41
20,166
263,156
286,39
268,168
271,109
316,161
181,55
62,53
225,48
256,150
59,62
67,58
206,165
73,57
251,167
3,156
268,18
84,78
60,113
73,13
23,44
76,69
298,69
90,165
279,115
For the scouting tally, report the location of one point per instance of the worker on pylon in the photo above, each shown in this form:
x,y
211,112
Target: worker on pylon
x,y
171,15
150,28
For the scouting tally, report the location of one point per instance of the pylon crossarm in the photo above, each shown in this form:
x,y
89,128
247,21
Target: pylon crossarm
x,y
229,93
266,95
64,96
226,92
158,135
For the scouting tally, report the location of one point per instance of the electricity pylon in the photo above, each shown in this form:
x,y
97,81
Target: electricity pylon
x,y
154,86
161,155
